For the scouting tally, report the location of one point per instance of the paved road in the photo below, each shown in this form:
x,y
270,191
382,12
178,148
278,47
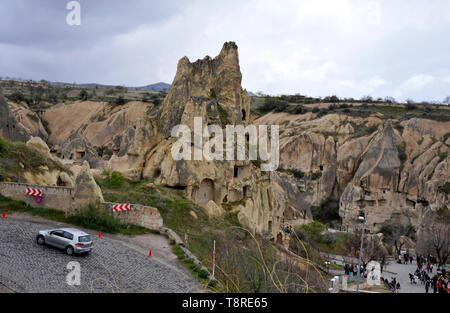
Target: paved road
x,y
113,265
402,275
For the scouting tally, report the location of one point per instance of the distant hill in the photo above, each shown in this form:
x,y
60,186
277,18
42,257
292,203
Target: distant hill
x,y
161,86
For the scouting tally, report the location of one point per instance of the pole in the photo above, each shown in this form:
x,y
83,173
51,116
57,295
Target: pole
x,y
360,255
214,258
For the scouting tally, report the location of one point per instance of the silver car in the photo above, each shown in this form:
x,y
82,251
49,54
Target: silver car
x,y
70,239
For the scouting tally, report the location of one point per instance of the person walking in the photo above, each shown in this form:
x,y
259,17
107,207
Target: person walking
x,y
427,286
434,282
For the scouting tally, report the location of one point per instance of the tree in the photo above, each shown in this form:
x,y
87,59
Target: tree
x,y
393,234
410,104
447,100
436,240
367,98
373,249
83,95
390,100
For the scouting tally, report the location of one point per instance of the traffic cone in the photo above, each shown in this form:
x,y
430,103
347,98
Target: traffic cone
x,y
100,235
150,254
4,214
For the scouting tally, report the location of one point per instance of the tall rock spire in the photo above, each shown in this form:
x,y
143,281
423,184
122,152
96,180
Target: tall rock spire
x,y
210,88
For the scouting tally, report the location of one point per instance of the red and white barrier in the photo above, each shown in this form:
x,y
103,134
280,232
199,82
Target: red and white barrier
x,y
121,207
34,192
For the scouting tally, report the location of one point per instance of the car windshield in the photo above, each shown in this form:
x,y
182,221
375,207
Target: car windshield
x,y
84,238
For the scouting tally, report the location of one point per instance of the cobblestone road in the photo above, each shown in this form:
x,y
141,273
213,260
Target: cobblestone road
x,y
110,267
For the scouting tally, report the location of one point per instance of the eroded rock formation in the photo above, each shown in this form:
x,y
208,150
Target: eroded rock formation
x,y
390,169
211,89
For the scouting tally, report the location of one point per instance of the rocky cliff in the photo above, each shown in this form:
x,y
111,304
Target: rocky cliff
x,y
392,169
10,127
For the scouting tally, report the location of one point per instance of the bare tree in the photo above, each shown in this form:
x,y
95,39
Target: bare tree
x,y
373,249
447,100
436,240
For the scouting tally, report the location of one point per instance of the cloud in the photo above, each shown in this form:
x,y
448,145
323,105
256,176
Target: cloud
x,y
418,81
318,48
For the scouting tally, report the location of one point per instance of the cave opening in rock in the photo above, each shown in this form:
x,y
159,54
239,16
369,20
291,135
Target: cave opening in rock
x,y
280,238
206,191
59,182
244,114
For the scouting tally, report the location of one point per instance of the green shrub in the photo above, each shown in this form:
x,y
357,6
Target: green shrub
x,y
296,109
17,97
203,274
116,179
212,94
442,156
223,115
106,172
410,105
281,106
95,218
402,154
326,213
83,95
2,145
295,172
445,188
311,233
316,175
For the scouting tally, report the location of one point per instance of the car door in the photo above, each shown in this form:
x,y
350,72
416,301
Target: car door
x,y
55,238
66,239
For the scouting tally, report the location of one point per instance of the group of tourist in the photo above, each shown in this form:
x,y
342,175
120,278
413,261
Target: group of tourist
x,y
352,270
287,228
406,258
438,283
393,285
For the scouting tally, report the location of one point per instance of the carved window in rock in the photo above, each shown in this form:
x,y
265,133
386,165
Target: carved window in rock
x,y
246,191
244,115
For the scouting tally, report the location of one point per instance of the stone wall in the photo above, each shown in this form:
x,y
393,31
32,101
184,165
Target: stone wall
x,y
55,197
141,215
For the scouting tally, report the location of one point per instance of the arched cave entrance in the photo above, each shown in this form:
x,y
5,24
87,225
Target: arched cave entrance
x,y
59,182
206,191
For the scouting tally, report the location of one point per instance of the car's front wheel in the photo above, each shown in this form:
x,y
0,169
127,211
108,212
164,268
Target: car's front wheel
x,y
40,240
69,250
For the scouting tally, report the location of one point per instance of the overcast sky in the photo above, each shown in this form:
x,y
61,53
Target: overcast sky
x,y
317,48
